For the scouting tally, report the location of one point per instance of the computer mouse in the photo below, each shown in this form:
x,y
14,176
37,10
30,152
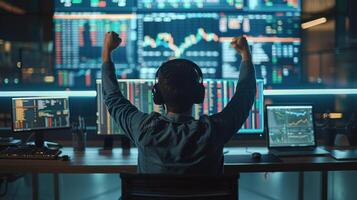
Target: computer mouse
x,y
256,156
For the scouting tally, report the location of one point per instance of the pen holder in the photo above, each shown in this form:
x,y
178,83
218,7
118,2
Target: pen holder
x,y
79,139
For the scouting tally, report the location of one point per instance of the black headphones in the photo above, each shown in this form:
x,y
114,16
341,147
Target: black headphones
x,y
198,97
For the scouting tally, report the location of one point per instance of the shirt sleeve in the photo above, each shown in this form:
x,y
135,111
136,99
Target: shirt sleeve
x,y
125,114
232,117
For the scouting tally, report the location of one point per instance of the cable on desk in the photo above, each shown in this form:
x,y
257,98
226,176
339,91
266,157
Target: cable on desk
x,y
28,139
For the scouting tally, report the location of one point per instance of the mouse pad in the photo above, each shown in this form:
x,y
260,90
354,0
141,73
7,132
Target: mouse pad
x,y
266,158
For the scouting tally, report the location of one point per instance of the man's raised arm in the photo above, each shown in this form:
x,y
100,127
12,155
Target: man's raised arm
x,y
126,115
237,110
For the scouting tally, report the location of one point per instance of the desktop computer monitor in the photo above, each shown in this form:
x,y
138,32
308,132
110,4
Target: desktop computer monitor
x,y
37,114
218,94
137,91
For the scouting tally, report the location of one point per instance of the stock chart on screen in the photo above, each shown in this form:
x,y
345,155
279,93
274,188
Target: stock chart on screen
x,y
290,125
157,30
137,91
217,95
78,41
193,36
40,113
273,5
191,4
150,5
93,5
274,39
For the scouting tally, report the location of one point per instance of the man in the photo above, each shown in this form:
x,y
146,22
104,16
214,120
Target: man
x,y
175,142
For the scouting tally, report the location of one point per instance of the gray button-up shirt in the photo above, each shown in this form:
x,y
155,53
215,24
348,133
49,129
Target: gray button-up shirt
x,y
179,144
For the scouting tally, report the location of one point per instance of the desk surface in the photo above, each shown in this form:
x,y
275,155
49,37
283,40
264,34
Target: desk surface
x,y
95,160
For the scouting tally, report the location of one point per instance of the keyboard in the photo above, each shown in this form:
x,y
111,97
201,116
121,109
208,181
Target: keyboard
x,y
29,152
316,151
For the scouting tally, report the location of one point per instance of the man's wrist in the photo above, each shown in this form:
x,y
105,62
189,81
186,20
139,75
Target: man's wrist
x,y
246,56
106,56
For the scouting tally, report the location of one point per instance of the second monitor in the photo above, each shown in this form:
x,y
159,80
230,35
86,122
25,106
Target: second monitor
x,y
218,94
40,114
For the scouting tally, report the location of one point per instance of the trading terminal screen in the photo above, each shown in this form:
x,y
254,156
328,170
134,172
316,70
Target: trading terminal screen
x,y
290,126
79,38
40,113
217,94
154,31
94,5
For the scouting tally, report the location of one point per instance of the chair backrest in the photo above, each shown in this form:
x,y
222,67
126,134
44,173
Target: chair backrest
x,y
180,187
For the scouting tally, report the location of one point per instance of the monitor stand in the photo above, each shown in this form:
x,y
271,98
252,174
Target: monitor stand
x,y
108,142
41,143
39,139
125,145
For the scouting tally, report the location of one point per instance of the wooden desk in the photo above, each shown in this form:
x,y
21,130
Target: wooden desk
x,y
94,160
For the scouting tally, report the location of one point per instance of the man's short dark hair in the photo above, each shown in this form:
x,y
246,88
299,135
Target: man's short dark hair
x,y
177,80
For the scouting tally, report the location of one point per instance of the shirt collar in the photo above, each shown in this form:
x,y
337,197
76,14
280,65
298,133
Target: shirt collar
x,y
179,118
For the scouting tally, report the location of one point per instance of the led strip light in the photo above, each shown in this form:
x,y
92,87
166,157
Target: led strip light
x,y
89,93
93,93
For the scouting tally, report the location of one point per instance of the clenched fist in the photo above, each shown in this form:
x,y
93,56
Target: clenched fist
x,y
240,44
111,42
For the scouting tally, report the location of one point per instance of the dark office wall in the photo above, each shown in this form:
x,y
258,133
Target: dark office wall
x,y
352,16
352,19
26,21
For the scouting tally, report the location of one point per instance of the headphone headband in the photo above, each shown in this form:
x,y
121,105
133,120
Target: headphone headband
x,y
200,89
196,68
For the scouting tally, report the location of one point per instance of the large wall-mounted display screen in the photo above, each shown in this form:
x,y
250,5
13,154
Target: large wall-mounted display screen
x,y
154,31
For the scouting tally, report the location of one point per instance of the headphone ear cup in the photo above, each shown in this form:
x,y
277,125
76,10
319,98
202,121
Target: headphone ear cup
x,y
157,97
200,96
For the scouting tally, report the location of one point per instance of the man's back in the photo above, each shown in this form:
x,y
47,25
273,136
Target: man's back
x,y
177,143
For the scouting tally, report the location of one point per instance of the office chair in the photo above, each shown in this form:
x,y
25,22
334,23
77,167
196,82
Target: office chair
x,y
178,187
